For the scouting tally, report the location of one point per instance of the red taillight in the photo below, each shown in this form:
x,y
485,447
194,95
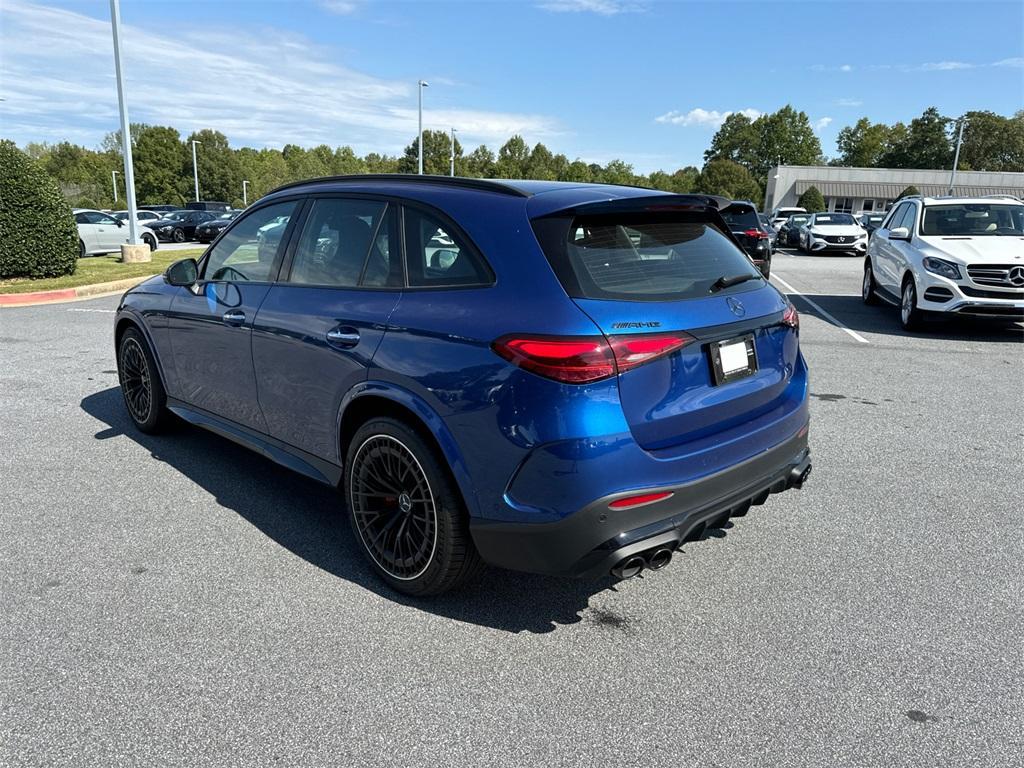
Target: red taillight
x,y
756,233
791,317
583,359
636,501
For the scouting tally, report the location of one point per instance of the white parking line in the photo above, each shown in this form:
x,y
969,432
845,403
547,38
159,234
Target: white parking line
x,y
111,311
821,311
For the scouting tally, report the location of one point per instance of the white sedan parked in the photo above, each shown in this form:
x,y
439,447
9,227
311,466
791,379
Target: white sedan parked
x,y
100,232
143,217
833,232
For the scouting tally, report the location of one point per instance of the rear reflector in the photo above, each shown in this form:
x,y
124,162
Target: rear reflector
x,y
636,501
791,317
583,359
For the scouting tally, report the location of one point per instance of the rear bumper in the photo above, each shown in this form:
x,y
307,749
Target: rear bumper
x,y
591,541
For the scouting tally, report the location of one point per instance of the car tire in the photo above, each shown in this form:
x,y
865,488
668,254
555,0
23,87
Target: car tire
x,y
910,315
81,249
150,241
397,483
141,387
178,236
867,287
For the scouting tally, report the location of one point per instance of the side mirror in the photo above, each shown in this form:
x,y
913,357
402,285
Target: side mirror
x,y
183,273
120,222
900,233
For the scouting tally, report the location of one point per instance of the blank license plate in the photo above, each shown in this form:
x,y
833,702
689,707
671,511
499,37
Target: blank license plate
x,y
733,359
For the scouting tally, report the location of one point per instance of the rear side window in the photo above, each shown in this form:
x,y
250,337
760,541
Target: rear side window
x,y
650,259
346,243
436,255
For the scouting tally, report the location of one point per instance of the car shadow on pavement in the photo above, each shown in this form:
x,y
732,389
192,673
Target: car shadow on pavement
x,y
309,519
885,319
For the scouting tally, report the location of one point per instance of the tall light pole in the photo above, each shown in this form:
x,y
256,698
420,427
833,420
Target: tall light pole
x,y
195,168
452,170
956,154
421,84
113,176
245,196
126,137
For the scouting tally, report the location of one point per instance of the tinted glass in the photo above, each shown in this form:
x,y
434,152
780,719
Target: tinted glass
x,y
341,243
833,219
740,218
908,216
970,219
652,260
436,257
248,250
895,215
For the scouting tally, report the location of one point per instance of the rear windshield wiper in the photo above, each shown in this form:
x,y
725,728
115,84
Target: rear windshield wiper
x,y
726,282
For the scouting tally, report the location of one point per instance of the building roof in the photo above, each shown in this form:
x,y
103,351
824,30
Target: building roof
x,y
892,190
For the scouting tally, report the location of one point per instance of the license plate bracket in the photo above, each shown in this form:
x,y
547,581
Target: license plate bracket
x,y
733,359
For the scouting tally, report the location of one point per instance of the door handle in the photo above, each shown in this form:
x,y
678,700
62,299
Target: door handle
x,y
234,317
343,336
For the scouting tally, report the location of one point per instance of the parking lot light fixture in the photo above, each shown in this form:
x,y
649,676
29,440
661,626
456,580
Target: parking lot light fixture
x,y
113,177
956,154
195,168
452,171
245,194
421,84
126,136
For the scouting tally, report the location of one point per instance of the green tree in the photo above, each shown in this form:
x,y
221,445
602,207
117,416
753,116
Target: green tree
x,y
992,142
578,171
38,236
437,147
863,144
784,136
924,144
513,159
811,200
729,179
618,172
541,164
376,163
908,192
220,176
346,162
737,140
478,164
159,155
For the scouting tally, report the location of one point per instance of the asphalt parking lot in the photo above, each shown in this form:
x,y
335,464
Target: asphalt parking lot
x,y
179,600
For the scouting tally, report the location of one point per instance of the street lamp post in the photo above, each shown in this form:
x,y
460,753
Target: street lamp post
x,y
421,84
452,170
126,137
245,196
113,177
195,168
956,154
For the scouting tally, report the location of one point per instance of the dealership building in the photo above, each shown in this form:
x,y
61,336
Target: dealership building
x,y
850,190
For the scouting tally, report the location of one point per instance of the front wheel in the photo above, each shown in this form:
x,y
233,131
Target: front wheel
x,y
150,241
178,236
406,511
910,315
81,249
143,392
867,288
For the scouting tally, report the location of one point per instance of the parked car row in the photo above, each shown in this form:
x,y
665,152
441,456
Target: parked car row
x,y
104,231
99,233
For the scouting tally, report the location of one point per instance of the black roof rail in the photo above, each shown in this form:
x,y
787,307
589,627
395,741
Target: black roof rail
x,y
485,185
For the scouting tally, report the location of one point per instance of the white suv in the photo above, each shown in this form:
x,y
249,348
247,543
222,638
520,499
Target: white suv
x,y
960,255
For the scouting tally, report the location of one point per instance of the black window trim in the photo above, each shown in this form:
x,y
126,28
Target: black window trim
x,y
457,233
282,251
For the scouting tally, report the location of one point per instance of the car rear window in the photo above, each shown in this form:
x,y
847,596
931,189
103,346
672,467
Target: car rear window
x,y
740,219
643,258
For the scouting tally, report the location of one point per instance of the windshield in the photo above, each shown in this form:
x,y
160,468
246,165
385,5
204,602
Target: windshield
x,y
796,221
175,214
121,215
971,219
875,219
650,258
833,219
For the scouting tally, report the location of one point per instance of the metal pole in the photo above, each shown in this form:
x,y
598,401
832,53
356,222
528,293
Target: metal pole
x,y
956,155
126,137
421,84
195,169
113,177
245,197
452,170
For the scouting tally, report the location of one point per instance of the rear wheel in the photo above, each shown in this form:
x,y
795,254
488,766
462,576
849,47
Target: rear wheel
x,y
406,511
178,236
910,315
867,288
150,241
143,392
81,249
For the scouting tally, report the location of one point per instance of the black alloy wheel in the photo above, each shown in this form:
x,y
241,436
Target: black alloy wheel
x,y
178,235
141,387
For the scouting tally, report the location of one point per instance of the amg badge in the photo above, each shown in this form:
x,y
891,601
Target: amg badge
x,y
649,324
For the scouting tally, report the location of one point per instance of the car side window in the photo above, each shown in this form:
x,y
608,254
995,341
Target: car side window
x,y
895,216
109,220
249,249
907,219
436,257
345,243
81,218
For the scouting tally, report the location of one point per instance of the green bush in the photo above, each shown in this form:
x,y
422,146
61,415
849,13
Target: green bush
x,y
911,190
811,200
38,236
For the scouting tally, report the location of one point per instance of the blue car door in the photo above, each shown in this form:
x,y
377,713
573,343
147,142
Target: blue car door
x,y
320,324
211,323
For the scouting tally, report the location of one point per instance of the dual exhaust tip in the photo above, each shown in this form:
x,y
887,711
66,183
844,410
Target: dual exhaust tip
x,y
653,559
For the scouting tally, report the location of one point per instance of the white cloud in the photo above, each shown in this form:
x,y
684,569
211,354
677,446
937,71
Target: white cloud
x,y
340,7
945,66
821,123
259,87
703,117
846,68
600,7
1017,61
849,102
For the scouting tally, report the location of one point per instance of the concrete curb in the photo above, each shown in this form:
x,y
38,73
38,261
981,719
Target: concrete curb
x,y
69,294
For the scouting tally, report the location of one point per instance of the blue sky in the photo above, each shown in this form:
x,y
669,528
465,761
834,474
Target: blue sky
x,y
647,82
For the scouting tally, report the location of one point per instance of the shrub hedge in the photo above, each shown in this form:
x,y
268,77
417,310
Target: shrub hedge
x,y
812,200
38,235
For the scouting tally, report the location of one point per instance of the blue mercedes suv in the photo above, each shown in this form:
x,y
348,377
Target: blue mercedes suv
x,y
560,378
